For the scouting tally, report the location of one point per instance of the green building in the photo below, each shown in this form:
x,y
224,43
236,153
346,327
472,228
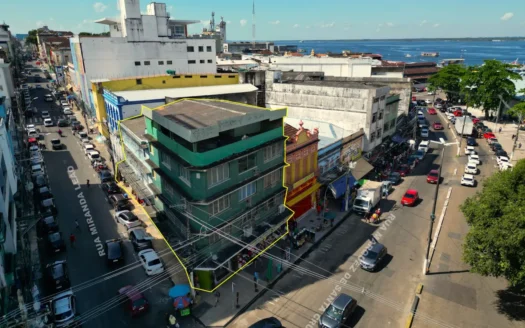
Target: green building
x,y
218,166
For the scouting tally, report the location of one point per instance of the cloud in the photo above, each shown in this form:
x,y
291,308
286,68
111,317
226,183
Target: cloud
x,y
423,23
507,16
99,7
296,25
437,25
228,22
277,22
39,24
329,25
390,24
307,26
243,22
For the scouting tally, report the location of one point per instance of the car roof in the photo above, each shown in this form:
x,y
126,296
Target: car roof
x,y
472,163
411,191
376,247
139,232
131,292
149,254
62,302
468,176
342,301
433,171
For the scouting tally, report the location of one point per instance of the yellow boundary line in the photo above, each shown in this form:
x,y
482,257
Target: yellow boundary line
x,y
167,243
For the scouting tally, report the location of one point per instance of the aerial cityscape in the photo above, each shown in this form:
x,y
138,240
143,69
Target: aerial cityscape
x,y
186,164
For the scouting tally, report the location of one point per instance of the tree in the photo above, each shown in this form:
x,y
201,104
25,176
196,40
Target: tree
x,y
31,38
93,34
448,79
518,110
494,244
494,79
468,86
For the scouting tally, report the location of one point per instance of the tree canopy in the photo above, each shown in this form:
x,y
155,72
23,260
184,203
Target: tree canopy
x,y
31,38
494,246
448,79
93,34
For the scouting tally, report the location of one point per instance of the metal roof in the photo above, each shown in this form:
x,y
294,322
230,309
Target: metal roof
x,y
161,94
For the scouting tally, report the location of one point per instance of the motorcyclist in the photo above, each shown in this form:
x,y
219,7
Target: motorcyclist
x,y
59,132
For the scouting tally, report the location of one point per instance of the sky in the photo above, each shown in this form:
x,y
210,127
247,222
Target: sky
x,y
293,19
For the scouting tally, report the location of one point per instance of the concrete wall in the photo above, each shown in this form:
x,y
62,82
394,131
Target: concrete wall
x,y
9,181
7,88
346,67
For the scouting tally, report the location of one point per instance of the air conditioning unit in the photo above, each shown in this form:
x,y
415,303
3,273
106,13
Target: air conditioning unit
x,y
282,208
248,230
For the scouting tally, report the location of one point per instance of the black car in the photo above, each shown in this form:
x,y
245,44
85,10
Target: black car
x,y
56,144
270,322
49,224
44,193
40,181
57,275
495,147
76,126
471,141
120,202
501,152
62,123
111,188
48,206
140,239
421,102
56,242
394,177
114,252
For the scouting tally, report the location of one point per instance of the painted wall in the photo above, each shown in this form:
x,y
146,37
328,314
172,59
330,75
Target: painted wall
x,y
349,67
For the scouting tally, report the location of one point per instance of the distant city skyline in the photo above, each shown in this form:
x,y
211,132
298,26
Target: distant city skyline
x,y
292,19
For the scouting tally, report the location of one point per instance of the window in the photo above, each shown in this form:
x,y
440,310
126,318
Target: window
x,y
375,100
169,62
208,48
382,98
191,62
184,175
272,179
272,152
218,174
374,117
386,126
201,49
190,49
168,188
210,61
247,163
165,160
139,81
201,61
380,115
137,63
220,205
378,133
161,62
146,63
247,190
372,136
179,29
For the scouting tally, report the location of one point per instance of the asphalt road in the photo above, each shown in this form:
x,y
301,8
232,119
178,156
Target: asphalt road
x,y
384,297
86,261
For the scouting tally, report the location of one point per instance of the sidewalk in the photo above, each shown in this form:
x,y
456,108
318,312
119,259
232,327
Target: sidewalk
x,y
243,284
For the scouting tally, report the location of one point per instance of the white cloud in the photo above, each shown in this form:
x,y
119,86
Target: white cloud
x,y
390,24
437,25
243,22
423,23
507,16
277,22
329,25
296,25
99,7
307,26
39,24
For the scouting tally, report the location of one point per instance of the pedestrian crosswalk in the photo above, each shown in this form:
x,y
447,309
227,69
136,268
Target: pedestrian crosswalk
x,y
39,120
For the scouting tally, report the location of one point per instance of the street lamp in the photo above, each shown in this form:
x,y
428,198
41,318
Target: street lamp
x,y
433,214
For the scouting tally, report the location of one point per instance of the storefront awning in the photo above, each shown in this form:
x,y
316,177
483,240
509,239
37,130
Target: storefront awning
x,y
361,169
338,187
304,194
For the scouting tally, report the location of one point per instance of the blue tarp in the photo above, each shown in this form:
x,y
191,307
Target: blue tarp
x,y
179,290
338,187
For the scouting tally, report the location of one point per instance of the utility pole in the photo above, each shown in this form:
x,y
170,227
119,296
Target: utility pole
x,y
351,166
499,110
520,118
461,136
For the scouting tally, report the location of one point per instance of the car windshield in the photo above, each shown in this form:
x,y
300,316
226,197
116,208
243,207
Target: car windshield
x,y
407,195
62,309
154,262
433,174
54,237
334,313
129,217
467,179
55,142
139,303
57,271
370,255
361,203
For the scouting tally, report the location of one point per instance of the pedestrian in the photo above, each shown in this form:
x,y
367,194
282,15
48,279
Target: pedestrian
x,y
87,183
513,136
72,240
499,130
519,145
77,225
217,296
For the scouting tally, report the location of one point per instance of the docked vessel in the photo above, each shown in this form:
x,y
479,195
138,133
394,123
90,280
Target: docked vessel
x,y
455,61
408,55
430,54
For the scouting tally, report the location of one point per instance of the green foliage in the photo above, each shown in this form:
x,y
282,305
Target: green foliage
x,y
495,244
518,109
448,79
31,38
93,34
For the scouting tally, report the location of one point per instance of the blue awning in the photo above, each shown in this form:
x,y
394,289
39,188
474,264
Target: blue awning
x,y
399,139
338,187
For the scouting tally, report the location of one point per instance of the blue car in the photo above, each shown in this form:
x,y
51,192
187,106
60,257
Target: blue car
x,y
420,154
471,141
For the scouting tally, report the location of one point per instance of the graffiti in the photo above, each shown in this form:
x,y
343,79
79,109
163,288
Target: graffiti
x,y
352,153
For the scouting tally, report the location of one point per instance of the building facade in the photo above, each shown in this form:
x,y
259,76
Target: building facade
x,y
219,165
301,172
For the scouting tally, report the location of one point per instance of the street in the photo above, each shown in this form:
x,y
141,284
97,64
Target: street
x,y
93,283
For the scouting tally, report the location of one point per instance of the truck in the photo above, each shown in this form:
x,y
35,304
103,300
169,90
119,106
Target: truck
x,y
368,197
468,127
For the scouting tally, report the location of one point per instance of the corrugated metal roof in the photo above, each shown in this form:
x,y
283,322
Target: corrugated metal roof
x,y
153,94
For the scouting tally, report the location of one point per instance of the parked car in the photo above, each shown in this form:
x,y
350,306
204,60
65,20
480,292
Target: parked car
x,y
48,98
151,262
467,180
63,307
140,239
40,180
83,135
111,188
403,170
372,257
424,145
492,140
93,155
120,203
501,153
49,224
471,142
433,176
32,133
474,158
114,252
420,154
495,147
431,111
270,322
128,219
488,135
67,111
428,101
56,144
105,176
470,150
44,193
338,313
437,126
135,302
48,122
57,275
62,123
471,168
56,242
424,133
410,198
37,169
45,114
502,160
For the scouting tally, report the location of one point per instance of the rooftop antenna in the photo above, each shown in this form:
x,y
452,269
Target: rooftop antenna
x,y
212,22
253,25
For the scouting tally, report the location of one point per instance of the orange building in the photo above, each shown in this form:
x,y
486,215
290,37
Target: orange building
x,y
300,175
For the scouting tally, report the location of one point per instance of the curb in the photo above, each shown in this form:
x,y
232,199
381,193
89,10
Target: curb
x,y
412,313
287,270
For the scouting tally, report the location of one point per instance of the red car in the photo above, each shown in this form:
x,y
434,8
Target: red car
x,y
475,120
489,135
411,197
431,111
135,300
433,176
458,113
437,126
403,170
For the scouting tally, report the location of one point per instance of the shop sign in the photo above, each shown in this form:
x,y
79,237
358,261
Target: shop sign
x,y
352,151
303,180
329,162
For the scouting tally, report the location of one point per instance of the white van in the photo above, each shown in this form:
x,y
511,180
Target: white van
x,y
424,145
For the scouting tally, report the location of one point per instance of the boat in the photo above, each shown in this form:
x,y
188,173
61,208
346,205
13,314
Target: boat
x,y
408,55
301,50
455,61
300,41
430,54
496,40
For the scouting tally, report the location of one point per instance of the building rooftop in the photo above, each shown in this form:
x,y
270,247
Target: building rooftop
x,y
338,84
136,125
153,94
114,21
328,133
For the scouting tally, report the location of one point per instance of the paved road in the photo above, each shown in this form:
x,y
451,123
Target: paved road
x,y
87,261
388,294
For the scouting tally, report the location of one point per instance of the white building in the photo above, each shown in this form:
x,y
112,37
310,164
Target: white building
x,y
7,87
349,105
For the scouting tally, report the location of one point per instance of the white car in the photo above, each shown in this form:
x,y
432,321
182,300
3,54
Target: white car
x,y
151,262
30,126
438,106
45,114
424,145
420,113
128,219
428,101
504,167
471,168
48,98
470,150
67,111
88,147
32,133
37,170
502,160
38,86
63,308
424,133
48,122
83,135
474,158
431,93
467,180
93,155
64,103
